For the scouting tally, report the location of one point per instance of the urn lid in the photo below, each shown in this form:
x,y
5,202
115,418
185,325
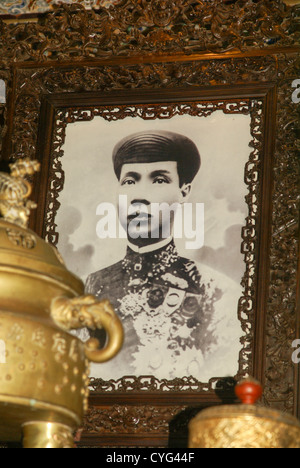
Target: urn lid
x,y
245,425
20,247
249,391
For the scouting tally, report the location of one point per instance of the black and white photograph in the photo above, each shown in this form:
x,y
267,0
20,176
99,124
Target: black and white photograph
x,y
151,217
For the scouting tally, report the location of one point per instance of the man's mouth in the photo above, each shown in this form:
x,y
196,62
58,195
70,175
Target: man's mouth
x,y
138,213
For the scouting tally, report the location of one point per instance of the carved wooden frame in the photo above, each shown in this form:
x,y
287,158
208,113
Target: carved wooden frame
x,y
58,111
73,60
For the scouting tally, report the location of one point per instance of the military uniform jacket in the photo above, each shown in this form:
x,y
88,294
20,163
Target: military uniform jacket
x,y
168,310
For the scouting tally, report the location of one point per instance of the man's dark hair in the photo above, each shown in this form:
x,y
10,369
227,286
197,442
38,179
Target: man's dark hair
x,y
155,146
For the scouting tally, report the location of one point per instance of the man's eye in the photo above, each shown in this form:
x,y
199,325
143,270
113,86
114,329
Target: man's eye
x,y
128,182
161,180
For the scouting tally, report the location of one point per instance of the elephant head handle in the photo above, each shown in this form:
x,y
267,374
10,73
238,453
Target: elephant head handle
x,y
87,311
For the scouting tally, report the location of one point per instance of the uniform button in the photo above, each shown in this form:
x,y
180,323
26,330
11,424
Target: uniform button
x,y
156,297
190,306
173,299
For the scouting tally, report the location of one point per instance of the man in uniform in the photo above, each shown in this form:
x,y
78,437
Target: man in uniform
x,y
180,319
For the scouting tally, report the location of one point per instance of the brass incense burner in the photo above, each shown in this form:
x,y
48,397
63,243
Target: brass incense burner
x,y
44,369
244,426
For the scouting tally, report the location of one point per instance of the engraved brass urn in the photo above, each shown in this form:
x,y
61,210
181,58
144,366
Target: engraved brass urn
x,y
244,425
44,369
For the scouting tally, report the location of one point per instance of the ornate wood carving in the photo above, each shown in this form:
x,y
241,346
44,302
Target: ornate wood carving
x,y
284,254
151,27
123,419
161,47
19,7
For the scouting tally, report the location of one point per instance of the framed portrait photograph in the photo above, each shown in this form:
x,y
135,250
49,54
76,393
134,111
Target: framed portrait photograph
x,y
173,266
169,185
153,213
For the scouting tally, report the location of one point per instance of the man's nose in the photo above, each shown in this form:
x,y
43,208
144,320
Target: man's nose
x,y
138,206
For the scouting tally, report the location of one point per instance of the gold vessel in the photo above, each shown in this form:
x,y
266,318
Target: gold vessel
x,y
44,369
244,426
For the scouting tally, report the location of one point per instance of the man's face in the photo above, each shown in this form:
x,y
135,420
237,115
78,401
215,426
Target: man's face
x,y
147,186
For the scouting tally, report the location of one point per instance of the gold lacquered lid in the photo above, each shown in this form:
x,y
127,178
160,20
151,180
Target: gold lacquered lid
x,y
22,249
248,391
244,426
238,411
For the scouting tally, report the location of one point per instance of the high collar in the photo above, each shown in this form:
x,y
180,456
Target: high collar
x,y
155,261
150,248
156,264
